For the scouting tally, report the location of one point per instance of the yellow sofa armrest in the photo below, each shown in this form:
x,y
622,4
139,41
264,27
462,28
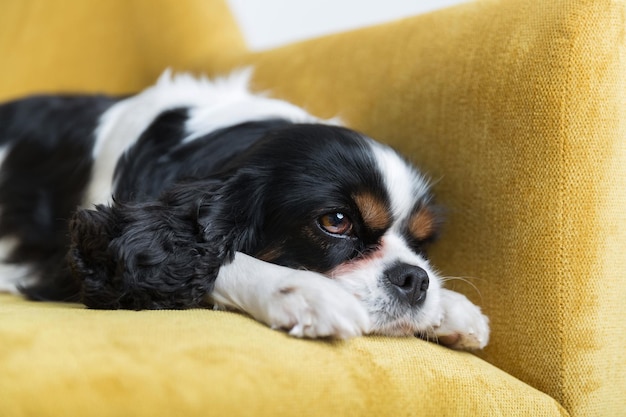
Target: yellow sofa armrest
x,y
516,109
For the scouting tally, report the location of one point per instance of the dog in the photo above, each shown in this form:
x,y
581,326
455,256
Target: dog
x,y
200,193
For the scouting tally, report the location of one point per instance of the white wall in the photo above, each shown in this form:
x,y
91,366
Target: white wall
x,y
269,23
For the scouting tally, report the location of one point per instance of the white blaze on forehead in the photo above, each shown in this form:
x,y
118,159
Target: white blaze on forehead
x,y
404,185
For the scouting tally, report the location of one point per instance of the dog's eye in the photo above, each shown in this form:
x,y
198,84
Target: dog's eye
x,y
336,224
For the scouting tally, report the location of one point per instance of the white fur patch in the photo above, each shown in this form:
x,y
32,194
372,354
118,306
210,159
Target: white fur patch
x,y
236,104
305,304
404,185
462,323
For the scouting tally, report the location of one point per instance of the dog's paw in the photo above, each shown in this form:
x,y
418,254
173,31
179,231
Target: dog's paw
x,y
314,307
462,325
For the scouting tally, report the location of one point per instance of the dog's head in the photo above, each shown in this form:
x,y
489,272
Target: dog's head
x,y
334,201
314,197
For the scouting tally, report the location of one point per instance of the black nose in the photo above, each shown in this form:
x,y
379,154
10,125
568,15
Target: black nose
x,y
410,282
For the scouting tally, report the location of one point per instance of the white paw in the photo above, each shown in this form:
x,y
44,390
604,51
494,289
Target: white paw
x,y
313,306
463,326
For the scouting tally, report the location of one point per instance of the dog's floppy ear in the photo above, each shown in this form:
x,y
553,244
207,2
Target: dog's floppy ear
x,y
161,254
90,233
235,211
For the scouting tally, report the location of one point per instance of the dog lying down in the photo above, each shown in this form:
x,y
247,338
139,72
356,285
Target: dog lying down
x,y
198,193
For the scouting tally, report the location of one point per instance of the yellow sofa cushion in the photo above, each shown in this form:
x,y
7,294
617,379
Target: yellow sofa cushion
x,y
65,360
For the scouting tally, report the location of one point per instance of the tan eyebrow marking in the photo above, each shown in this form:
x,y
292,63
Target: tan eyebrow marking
x,y
374,212
423,224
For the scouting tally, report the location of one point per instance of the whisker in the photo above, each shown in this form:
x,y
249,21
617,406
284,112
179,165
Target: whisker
x,y
465,280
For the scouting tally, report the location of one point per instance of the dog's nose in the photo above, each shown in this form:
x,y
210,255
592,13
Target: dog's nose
x,y
409,282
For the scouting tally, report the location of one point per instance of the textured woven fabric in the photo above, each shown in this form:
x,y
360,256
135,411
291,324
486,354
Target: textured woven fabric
x,y
516,110
60,360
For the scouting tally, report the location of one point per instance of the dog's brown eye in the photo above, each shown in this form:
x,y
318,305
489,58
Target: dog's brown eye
x,y
336,223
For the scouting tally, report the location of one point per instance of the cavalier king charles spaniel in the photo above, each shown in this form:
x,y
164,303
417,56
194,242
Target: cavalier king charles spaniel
x,y
199,193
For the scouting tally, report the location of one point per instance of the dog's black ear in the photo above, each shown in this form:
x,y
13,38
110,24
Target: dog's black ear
x,y
161,254
92,261
233,214
142,256
91,232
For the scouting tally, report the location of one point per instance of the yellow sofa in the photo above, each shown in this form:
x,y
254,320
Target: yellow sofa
x,y
517,108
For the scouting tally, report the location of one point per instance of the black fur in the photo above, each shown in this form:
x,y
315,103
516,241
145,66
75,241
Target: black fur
x,y
43,178
153,255
312,170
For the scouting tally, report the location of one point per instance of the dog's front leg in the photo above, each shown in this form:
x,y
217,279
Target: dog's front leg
x,y
304,303
462,324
